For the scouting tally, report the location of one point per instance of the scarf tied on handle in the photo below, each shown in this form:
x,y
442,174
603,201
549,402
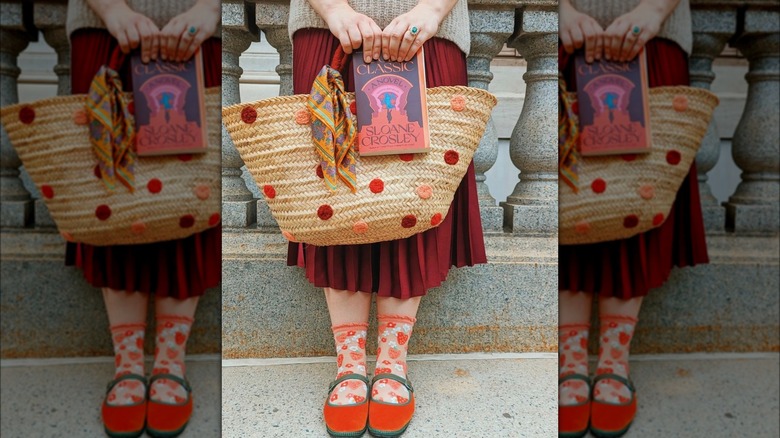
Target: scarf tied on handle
x,y
112,129
568,136
332,129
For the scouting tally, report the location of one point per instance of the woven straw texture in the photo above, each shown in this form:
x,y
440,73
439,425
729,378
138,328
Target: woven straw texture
x,y
395,199
621,196
175,196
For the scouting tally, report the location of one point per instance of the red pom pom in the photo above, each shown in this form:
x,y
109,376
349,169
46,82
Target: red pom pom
x,y
631,221
658,219
436,219
248,114
406,157
376,185
47,191
187,221
575,108
451,157
673,158
97,171
26,115
214,219
154,185
409,221
325,212
131,108
184,157
103,212
318,170
353,107
628,157
598,185
269,191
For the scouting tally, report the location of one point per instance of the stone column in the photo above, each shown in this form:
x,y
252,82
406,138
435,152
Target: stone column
x,y
532,208
711,31
271,18
238,32
756,143
490,28
16,205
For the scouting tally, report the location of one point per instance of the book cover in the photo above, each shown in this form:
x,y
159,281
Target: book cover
x,y
613,106
169,106
392,112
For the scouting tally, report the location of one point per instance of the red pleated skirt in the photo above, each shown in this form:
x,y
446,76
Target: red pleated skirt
x,y
400,268
176,268
631,267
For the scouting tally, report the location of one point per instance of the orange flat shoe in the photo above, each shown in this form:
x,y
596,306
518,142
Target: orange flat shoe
x,y
346,420
389,420
124,421
612,420
167,420
573,419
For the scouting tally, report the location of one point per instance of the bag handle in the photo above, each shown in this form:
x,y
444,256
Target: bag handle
x,y
340,60
117,59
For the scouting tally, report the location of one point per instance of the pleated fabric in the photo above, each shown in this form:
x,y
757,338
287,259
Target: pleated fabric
x,y
176,268
632,267
400,268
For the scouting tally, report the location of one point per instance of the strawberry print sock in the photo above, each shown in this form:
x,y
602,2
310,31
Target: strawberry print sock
x,y
129,359
572,359
615,339
394,333
172,334
351,359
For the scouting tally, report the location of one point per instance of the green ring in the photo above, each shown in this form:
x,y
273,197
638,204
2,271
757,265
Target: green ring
x,y
414,30
193,30
636,30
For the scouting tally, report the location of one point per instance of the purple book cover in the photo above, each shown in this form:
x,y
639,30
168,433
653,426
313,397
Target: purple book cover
x,y
613,106
392,111
169,106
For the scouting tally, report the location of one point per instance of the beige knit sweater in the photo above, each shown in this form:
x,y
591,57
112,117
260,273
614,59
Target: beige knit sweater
x,y
455,26
81,15
677,26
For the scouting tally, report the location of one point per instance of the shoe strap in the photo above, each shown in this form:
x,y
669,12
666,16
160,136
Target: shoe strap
x,y
351,376
391,376
124,377
183,382
574,376
615,377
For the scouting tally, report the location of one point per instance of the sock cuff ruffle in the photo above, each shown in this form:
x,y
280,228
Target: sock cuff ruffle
x,y
350,326
396,318
619,318
175,318
128,326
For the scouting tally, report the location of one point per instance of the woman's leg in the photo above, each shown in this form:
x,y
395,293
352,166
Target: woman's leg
x,y
127,321
349,320
395,318
618,319
573,323
174,319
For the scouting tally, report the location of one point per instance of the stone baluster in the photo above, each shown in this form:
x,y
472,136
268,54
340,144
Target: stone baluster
x,y
532,208
271,18
238,32
490,28
50,19
16,205
711,30
756,143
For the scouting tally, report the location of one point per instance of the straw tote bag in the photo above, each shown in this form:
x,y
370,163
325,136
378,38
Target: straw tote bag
x,y
174,197
620,196
397,196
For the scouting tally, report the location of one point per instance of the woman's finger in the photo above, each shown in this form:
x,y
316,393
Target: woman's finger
x,y
121,38
639,43
377,40
396,36
628,43
406,42
599,50
418,42
590,42
568,46
147,36
155,46
368,40
133,39
344,41
185,41
577,39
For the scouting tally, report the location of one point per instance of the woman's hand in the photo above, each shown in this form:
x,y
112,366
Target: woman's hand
x,y
130,28
398,42
182,36
629,33
577,29
352,29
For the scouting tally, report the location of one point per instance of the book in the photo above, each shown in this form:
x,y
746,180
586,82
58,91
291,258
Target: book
x,y
392,112
613,106
169,106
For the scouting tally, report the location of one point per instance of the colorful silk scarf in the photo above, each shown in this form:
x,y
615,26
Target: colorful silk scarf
x,y
568,131
332,130
112,129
